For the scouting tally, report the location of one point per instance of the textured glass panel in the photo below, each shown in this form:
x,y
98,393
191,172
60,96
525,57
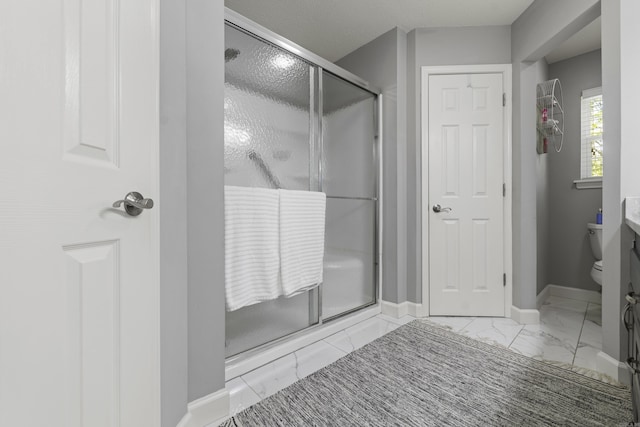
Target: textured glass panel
x,y
267,114
261,323
349,255
348,131
267,144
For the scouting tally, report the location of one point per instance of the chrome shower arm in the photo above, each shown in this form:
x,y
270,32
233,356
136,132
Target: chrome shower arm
x,y
275,182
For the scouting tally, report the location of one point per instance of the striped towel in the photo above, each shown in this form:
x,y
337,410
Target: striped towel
x,y
252,257
302,217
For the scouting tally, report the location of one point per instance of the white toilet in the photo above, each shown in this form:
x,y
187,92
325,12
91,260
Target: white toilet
x,y
595,237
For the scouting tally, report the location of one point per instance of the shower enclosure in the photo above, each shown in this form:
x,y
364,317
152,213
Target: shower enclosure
x,y
295,121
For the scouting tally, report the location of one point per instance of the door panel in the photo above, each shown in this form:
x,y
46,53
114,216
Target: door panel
x,y
348,179
91,81
466,264
348,134
93,291
79,316
349,271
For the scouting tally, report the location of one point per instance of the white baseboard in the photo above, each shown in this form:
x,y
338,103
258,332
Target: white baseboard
x,y
525,316
417,310
612,367
565,292
210,409
394,310
402,309
543,296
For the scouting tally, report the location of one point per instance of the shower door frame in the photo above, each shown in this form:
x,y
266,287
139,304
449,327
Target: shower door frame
x,y
318,65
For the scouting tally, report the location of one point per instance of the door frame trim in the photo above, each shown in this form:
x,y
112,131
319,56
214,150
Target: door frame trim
x,y
426,71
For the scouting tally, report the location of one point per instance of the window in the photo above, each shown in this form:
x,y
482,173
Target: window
x,y
591,141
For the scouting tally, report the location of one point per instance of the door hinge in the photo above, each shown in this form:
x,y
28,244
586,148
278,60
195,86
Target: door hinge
x,y
504,279
504,189
504,99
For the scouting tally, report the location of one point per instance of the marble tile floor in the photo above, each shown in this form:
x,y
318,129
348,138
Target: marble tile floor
x,y
569,332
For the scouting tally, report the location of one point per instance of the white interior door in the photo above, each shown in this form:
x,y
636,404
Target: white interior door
x,y
79,302
466,176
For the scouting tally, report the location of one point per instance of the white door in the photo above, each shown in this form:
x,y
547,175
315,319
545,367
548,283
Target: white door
x,y
466,256
79,295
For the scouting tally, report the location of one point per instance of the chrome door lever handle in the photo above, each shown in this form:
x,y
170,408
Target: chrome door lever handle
x,y
134,203
438,209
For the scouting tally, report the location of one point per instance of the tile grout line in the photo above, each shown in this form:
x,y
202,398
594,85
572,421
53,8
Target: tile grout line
x,y
252,389
524,326
470,322
584,319
394,322
336,347
514,338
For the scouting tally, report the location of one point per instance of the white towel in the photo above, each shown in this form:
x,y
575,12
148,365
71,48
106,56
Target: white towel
x,y
252,257
302,216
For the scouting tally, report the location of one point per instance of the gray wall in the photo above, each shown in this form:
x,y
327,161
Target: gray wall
x,y
432,47
205,191
569,251
540,29
543,212
620,91
382,62
173,232
190,204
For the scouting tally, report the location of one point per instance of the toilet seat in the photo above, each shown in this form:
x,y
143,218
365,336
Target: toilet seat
x,y
598,265
596,272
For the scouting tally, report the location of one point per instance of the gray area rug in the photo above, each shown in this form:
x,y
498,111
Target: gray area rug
x,y
423,375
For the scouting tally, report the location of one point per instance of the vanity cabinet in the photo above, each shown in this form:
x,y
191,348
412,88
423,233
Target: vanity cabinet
x,y
631,318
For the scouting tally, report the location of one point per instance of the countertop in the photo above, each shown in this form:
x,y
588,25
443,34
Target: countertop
x,y
632,213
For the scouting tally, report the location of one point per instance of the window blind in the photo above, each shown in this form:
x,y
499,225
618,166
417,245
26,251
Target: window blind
x,y
591,133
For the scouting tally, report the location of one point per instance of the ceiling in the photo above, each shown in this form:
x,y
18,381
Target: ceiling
x,y
334,28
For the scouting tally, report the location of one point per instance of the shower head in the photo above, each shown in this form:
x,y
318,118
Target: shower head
x,y
230,54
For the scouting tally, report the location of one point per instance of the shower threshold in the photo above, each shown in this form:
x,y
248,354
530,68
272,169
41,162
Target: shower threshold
x,y
253,359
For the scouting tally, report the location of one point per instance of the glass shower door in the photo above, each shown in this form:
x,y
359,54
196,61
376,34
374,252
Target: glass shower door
x,y
268,143
349,179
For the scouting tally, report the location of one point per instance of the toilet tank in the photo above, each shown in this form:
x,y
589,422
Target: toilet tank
x,y
595,237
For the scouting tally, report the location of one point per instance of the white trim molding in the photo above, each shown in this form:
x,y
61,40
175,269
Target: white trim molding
x,y
566,292
525,316
613,368
505,70
213,408
543,296
398,310
588,183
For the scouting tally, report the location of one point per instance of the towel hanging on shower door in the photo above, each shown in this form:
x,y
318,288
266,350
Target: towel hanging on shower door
x,y
252,256
302,229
